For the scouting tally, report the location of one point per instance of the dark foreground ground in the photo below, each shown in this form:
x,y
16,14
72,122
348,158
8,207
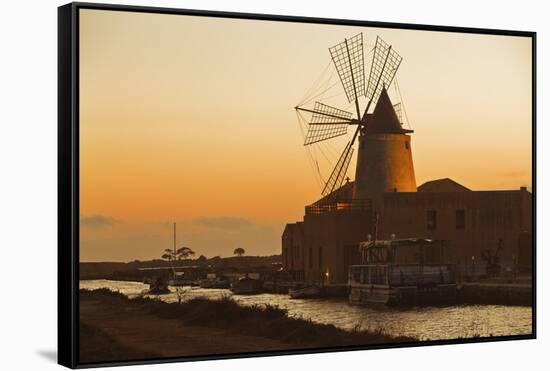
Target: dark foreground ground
x,y
115,328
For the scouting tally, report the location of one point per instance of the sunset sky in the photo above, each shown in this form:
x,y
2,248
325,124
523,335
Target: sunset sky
x,y
191,119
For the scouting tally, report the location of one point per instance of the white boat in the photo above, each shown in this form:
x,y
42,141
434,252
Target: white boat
x,y
403,272
312,291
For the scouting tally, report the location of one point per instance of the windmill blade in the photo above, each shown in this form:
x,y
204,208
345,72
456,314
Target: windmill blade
x,y
339,172
348,58
385,63
326,122
399,112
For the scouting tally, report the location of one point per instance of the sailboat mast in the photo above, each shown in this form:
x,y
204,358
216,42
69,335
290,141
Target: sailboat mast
x,y
174,238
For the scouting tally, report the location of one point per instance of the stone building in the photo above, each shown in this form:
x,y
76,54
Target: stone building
x,y
383,202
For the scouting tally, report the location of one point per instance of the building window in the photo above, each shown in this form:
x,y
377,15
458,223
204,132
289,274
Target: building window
x,y
320,258
310,258
407,145
460,219
431,219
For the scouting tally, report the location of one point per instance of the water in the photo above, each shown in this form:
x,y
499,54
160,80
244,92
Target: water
x,y
424,323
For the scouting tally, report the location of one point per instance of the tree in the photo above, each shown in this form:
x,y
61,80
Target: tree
x,y
168,255
184,253
181,253
201,258
239,251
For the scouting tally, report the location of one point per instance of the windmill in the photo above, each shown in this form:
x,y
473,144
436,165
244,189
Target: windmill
x,y
382,128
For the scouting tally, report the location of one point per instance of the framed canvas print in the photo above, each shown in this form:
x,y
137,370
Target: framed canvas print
x,y
236,185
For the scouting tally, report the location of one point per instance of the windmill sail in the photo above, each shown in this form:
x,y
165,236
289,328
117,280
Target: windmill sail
x,y
385,63
326,122
399,112
348,59
339,172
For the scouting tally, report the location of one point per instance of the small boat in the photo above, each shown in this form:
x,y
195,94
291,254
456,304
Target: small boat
x,y
157,286
214,284
221,284
312,291
179,280
246,286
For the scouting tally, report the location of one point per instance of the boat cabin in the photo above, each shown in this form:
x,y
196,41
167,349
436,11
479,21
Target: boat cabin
x,y
391,268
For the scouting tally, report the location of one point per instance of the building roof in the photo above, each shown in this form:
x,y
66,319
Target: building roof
x,y
344,193
442,185
289,227
293,227
384,120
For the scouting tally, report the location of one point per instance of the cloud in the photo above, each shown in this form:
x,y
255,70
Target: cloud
x,y
106,239
224,222
97,221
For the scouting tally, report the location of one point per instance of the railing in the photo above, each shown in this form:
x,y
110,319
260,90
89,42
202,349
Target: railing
x,y
352,205
402,274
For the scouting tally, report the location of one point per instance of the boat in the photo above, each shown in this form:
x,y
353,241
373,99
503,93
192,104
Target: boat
x,y
179,280
311,291
157,286
214,284
246,286
410,271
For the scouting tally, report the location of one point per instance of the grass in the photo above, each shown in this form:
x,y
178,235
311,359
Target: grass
x,y
99,342
260,320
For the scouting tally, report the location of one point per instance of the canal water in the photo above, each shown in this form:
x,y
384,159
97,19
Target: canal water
x,y
424,323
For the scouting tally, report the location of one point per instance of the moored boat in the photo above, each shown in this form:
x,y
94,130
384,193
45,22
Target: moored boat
x,y
246,286
403,272
178,280
311,291
214,284
157,286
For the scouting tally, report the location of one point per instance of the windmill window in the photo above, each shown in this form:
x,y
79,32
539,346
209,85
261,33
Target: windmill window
x,y
431,219
407,145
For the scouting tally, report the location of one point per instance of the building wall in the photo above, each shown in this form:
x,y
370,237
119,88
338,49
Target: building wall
x,y
293,251
489,217
330,243
327,242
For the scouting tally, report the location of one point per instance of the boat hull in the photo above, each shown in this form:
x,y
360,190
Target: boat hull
x,y
246,286
305,293
403,295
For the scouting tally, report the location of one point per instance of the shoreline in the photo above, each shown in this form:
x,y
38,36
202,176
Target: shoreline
x,y
115,327
471,293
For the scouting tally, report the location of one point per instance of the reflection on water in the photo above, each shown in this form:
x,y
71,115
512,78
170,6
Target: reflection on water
x,y
424,323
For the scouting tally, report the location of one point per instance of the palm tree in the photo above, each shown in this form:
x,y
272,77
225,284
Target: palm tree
x,y
239,251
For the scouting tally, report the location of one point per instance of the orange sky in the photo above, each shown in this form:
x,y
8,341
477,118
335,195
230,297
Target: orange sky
x,y
191,119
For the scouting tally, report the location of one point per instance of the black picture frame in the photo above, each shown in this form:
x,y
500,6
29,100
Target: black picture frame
x,y
68,175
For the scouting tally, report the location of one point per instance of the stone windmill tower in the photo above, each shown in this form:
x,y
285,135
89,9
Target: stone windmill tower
x,y
384,161
384,158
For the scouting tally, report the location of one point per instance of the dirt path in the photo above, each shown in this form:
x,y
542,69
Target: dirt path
x,y
124,333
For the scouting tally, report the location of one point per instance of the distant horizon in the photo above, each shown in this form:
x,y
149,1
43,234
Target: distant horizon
x,y
190,120
182,260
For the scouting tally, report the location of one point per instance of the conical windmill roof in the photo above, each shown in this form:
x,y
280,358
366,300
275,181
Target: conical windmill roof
x,y
384,120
